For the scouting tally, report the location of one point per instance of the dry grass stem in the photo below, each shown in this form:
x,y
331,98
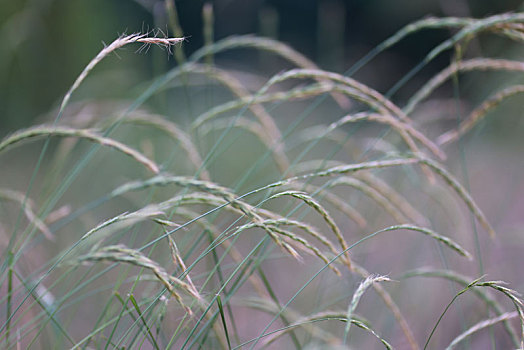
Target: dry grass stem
x,y
481,64
464,281
325,215
115,45
61,131
120,253
393,196
174,132
370,192
331,198
478,114
267,45
481,325
27,206
406,130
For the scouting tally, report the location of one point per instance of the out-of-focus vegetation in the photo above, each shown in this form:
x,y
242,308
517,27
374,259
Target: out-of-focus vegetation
x,y
343,178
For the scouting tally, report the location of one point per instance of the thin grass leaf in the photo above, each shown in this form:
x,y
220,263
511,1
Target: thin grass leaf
x,y
469,286
144,322
274,298
223,318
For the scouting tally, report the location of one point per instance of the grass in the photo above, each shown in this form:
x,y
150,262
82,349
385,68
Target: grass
x,y
255,222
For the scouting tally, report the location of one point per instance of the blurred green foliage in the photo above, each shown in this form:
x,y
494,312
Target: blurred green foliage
x,y
46,43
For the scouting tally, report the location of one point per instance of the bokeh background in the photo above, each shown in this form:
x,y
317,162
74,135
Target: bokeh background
x,y
47,43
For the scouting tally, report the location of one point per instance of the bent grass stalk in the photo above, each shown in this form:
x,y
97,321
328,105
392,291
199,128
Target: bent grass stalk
x,y
490,302
43,131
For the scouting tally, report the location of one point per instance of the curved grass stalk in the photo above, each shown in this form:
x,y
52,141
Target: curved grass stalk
x,y
295,319
263,332
316,131
515,298
174,132
427,23
292,94
479,113
265,119
481,325
498,286
462,193
347,86
271,224
481,64
393,196
122,254
182,181
466,33
257,130
303,243
27,205
115,45
310,230
118,43
335,201
61,131
352,168
341,139
307,322
325,215
406,130
480,293
266,45
442,239
213,190
314,165
355,88
370,192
